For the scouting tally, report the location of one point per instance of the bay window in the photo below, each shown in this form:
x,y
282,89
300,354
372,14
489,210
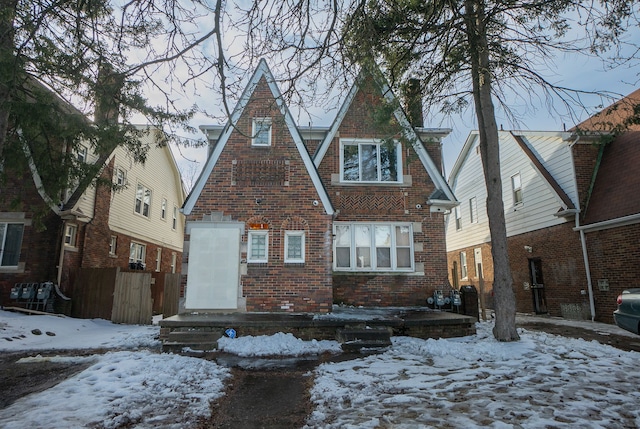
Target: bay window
x,y
373,247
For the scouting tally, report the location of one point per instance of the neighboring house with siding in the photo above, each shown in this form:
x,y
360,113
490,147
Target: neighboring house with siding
x,y
271,227
541,183
572,213
103,227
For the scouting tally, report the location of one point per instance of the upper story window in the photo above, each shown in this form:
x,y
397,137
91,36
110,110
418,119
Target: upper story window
x,y
373,247
163,209
258,246
10,243
71,231
261,132
473,210
174,221
121,177
143,200
516,185
81,153
113,241
294,246
458,218
370,161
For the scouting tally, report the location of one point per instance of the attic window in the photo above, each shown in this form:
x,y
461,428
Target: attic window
x,y
261,132
370,161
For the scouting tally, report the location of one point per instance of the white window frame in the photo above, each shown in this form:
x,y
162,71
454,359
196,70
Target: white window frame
x,y
458,216
516,189
145,200
70,234
257,259
174,261
473,210
137,252
163,209
287,257
353,246
174,221
464,272
121,177
113,243
4,227
158,259
258,127
360,143
82,153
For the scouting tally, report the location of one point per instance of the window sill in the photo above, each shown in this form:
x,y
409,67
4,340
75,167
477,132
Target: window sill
x,y
70,248
406,182
378,273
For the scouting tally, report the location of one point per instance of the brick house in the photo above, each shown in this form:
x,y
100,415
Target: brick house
x,y
563,194
272,228
99,228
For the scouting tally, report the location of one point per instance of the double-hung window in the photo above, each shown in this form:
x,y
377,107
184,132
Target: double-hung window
x,y
71,231
163,209
137,253
261,132
463,265
516,184
458,218
121,177
10,243
258,246
373,247
370,161
294,247
143,200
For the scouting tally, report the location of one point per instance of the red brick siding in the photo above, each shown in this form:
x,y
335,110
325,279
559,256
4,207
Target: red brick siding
x,y
613,256
386,204
274,286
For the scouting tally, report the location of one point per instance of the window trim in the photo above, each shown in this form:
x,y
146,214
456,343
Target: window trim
x,y
464,269
473,210
516,192
144,252
142,203
458,218
379,143
158,259
113,245
121,176
174,221
163,209
353,266
256,129
250,258
82,153
73,237
3,239
294,233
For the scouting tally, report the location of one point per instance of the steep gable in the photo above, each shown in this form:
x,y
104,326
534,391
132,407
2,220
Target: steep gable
x,y
442,197
264,75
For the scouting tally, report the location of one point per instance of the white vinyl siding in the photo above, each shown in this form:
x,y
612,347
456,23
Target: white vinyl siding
x,y
473,210
541,200
373,247
159,173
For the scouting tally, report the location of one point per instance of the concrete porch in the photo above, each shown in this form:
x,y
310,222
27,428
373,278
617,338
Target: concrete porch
x,y
363,326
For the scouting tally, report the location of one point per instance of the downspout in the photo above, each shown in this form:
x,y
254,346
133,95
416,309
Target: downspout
x,y
61,259
583,238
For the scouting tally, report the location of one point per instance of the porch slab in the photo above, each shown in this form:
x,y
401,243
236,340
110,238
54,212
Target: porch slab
x,y
420,322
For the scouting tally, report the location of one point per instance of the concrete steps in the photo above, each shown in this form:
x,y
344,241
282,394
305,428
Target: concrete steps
x,y
356,338
196,340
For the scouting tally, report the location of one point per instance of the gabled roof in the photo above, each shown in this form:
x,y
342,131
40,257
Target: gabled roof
x,y
517,136
446,197
615,117
615,191
262,71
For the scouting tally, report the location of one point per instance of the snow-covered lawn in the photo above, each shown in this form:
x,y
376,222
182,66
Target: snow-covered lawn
x,y
542,381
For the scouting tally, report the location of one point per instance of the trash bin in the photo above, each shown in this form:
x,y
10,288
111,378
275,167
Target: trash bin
x,y
469,295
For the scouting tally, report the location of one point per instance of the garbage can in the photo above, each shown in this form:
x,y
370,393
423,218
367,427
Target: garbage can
x,y
469,295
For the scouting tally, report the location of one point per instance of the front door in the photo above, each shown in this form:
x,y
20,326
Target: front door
x,y
537,286
213,273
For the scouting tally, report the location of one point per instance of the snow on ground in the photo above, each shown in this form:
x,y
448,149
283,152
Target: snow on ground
x,y
472,382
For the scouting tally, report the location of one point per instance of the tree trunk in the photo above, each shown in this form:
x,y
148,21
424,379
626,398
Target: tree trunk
x,y
7,68
504,298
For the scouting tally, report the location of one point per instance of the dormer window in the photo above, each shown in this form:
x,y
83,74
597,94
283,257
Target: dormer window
x,y
370,161
261,132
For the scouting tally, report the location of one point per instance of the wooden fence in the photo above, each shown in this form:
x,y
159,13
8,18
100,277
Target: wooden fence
x,y
124,296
